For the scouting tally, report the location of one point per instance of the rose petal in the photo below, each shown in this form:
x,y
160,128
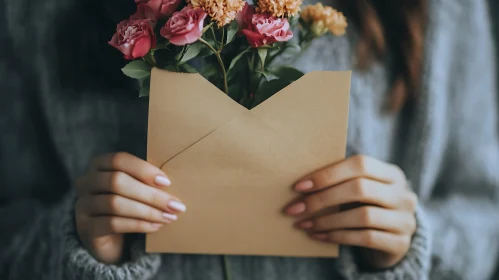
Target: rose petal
x,y
254,39
142,47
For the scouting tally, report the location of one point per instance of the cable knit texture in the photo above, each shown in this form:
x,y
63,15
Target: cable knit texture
x,y
64,101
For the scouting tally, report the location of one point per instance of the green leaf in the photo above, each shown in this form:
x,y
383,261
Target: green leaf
x,y
269,88
262,53
232,31
188,68
230,71
292,48
287,73
210,70
192,51
145,87
172,68
137,69
206,28
268,75
238,90
272,47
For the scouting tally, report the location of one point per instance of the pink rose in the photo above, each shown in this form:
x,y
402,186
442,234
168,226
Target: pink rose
x,y
145,12
184,27
134,38
161,8
263,29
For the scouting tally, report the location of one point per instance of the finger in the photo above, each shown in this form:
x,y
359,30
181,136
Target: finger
x,y
357,190
351,168
115,205
123,184
106,225
366,217
132,165
374,239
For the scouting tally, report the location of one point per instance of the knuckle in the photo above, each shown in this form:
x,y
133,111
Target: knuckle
x,y
113,224
152,214
315,202
320,224
113,202
141,226
360,187
117,159
367,216
157,198
116,180
323,178
360,162
369,238
337,236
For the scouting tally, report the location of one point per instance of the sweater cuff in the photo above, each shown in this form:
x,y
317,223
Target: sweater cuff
x,y
415,265
80,264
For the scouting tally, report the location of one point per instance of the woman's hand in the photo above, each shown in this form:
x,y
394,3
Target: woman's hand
x,y
120,194
383,221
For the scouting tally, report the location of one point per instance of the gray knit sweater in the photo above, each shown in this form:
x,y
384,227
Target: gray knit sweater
x,y
64,101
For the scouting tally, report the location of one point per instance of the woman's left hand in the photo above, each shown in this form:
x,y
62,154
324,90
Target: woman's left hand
x,y
384,220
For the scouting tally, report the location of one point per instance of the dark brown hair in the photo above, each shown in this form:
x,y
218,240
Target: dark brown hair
x,y
397,26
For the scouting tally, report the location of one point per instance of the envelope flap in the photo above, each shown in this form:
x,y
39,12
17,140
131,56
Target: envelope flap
x,y
180,114
312,125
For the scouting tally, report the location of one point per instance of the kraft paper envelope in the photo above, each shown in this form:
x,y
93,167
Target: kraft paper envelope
x,y
234,168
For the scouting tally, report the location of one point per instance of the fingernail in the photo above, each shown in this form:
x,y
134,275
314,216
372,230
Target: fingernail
x,y
296,208
306,225
170,217
162,181
156,226
177,205
319,236
304,185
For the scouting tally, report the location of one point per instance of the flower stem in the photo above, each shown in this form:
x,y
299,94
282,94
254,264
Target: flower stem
x,y
222,67
223,40
149,58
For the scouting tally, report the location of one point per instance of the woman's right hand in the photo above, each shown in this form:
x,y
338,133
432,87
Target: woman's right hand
x,y
121,194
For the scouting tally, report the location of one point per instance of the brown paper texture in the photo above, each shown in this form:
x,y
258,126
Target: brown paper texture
x,y
234,168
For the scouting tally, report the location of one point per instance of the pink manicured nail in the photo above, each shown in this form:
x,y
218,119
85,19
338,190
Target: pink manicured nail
x,y
162,181
177,205
306,225
156,226
319,236
304,185
170,217
296,208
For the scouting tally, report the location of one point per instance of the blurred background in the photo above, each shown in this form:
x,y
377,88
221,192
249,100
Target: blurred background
x,y
22,131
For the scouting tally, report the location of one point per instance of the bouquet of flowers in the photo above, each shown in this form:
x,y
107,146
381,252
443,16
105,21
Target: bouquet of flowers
x,y
231,43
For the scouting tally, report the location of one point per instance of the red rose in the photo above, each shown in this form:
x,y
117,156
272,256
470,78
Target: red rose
x,y
134,38
161,8
263,29
184,27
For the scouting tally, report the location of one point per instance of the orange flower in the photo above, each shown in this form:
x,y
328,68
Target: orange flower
x,y
321,19
279,8
221,11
